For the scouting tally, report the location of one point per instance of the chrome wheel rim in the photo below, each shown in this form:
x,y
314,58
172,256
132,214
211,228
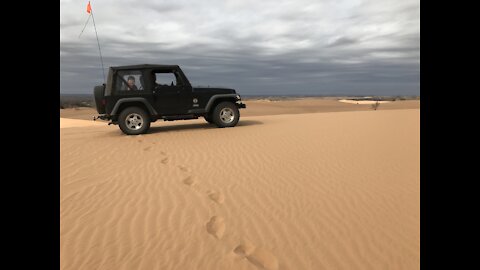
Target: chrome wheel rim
x,y
227,115
134,121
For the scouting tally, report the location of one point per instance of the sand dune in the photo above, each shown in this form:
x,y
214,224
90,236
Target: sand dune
x,y
67,123
294,191
296,106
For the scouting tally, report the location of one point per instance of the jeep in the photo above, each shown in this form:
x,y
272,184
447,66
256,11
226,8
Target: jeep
x,y
134,96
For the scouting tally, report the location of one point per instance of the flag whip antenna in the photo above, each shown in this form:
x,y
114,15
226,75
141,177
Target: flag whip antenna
x,y
90,11
99,50
84,26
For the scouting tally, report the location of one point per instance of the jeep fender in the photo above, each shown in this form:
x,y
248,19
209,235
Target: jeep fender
x,y
133,99
215,97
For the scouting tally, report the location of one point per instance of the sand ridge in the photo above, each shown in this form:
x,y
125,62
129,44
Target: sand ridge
x,y
68,123
275,107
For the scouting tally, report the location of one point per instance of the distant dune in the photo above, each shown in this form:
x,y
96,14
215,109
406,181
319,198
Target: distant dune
x,y
331,190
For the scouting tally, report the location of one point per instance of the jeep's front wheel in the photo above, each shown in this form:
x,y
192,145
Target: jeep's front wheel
x,y
226,114
208,118
134,121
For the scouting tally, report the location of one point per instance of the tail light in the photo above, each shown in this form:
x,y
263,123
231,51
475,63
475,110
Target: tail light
x,y
104,102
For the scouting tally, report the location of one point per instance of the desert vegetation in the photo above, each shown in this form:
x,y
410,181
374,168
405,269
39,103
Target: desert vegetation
x,y
76,101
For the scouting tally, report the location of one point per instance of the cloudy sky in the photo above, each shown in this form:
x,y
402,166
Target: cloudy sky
x,y
269,47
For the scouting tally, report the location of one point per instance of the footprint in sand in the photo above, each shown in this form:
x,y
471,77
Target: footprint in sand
x,y
216,196
165,160
140,141
184,169
188,181
258,256
216,226
146,148
162,153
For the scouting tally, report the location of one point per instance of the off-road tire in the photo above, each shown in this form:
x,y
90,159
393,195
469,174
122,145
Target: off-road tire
x,y
208,118
225,114
138,123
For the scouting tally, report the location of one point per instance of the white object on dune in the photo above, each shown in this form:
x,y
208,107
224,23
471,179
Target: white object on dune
x,y
363,101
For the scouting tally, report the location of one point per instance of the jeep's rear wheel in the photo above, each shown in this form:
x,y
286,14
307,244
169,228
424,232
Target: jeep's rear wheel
x,y
226,114
134,121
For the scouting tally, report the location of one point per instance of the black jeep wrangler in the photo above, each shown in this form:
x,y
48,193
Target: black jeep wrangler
x,y
135,96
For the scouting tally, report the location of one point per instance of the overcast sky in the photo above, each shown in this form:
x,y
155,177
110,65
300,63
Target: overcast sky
x,y
269,47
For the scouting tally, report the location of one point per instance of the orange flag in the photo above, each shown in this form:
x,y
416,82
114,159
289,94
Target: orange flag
x,y
89,8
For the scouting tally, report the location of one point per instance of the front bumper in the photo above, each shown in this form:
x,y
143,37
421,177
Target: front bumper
x,y
241,105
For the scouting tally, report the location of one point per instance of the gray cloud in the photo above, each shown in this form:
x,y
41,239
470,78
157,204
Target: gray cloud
x,y
272,47
342,41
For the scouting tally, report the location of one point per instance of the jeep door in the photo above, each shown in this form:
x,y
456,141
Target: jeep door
x,y
170,93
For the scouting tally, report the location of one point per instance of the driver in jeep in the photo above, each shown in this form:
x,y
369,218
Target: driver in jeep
x,y
131,84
